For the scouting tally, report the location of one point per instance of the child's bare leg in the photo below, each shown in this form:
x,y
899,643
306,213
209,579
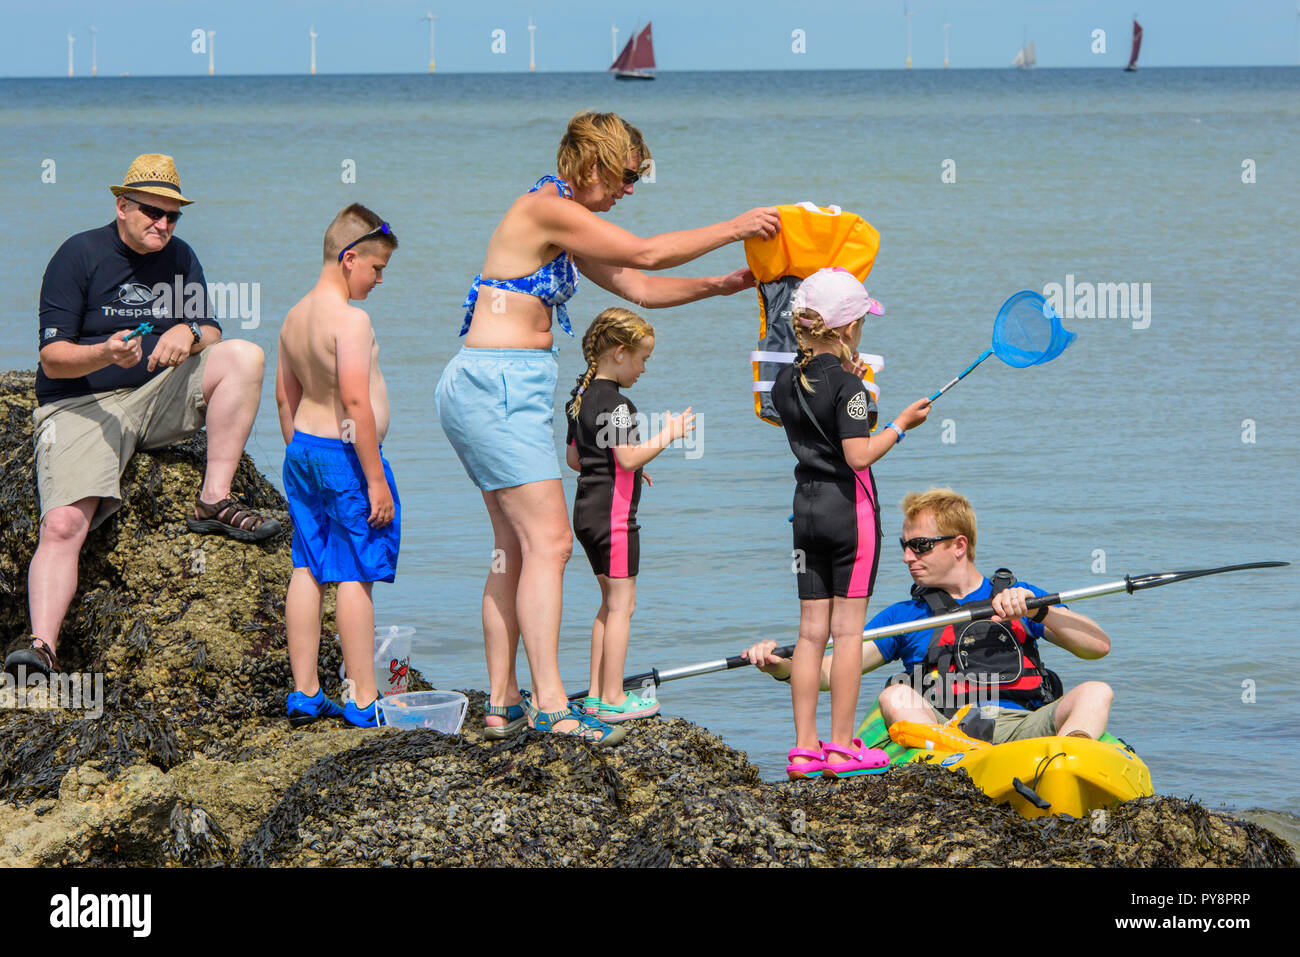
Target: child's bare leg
x,y
805,670
500,620
598,638
302,629
620,600
848,616
356,618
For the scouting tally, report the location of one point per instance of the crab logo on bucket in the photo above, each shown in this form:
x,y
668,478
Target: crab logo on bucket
x,y
857,407
397,670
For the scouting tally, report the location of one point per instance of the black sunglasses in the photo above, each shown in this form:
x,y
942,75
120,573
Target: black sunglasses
x,y
380,230
154,213
630,176
922,545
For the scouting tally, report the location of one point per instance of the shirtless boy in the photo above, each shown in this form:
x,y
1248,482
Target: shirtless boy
x,y
342,498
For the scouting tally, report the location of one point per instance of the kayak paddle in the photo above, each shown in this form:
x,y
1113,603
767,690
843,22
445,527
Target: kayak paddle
x,y
975,611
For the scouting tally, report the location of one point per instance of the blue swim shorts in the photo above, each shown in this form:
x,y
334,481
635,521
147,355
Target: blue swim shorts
x,y
329,505
497,407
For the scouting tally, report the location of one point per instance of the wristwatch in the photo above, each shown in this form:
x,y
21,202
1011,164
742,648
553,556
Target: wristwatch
x,y
194,328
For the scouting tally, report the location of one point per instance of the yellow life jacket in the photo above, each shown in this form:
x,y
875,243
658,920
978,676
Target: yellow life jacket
x,y
811,238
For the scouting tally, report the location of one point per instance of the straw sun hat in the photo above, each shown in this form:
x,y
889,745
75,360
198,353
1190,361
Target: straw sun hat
x,y
153,173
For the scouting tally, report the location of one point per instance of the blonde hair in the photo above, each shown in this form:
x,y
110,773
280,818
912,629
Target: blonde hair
x,y
351,223
614,327
816,332
604,139
953,514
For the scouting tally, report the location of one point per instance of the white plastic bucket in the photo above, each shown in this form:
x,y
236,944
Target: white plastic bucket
x,y
440,710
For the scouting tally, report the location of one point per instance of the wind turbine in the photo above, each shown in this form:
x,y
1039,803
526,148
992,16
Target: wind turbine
x,y
430,16
312,35
71,40
94,60
532,65
212,52
907,15
945,45
613,41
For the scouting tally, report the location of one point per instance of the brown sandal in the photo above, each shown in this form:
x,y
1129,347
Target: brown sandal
x,y
34,659
232,518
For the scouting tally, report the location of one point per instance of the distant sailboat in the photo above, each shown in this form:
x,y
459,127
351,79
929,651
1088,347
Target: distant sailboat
x,y
1025,59
1137,46
637,61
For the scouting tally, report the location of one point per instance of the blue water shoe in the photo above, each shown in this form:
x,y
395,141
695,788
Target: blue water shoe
x,y
305,710
370,717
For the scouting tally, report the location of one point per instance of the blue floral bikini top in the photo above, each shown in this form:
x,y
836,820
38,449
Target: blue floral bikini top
x,y
554,283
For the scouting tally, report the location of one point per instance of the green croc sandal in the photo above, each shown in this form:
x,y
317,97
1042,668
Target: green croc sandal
x,y
515,715
633,706
589,729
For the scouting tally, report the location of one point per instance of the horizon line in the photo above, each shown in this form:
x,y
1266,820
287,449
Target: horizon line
x,y
525,72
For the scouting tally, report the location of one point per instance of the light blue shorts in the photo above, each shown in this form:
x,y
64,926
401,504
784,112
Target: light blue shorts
x,y
497,407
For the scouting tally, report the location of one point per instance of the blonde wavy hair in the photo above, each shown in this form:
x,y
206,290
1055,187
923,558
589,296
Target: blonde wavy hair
x,y
606,140
815,333
614,327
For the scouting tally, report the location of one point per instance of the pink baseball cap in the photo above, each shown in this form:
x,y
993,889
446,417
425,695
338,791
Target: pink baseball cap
x,y
835,294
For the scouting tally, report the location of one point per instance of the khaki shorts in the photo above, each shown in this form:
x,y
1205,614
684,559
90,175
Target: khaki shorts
x,y
1012,724
83,444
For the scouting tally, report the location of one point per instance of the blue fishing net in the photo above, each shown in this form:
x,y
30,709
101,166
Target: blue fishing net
x,y
1028,331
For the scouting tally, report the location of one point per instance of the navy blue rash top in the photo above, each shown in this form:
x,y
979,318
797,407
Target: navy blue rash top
x,y
96,285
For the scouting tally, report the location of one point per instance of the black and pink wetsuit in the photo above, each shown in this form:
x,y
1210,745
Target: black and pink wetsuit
x,y
836,509
604,510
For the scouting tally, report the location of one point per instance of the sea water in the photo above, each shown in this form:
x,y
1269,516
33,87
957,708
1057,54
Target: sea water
x,y
1164,438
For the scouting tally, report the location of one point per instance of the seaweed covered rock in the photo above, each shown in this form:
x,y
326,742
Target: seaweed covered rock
x,y
187,758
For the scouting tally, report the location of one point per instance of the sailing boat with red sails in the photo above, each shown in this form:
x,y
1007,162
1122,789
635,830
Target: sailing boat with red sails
x,y
1137,46
637,61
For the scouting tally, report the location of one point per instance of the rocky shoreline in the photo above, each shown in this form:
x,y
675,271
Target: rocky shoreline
x,y
192,762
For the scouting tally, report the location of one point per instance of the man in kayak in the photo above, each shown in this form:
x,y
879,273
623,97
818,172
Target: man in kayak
x,y
997,660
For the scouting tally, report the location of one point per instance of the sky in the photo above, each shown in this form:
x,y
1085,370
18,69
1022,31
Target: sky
x,y
254,37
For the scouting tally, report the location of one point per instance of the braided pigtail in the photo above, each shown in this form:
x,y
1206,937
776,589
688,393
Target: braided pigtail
x,y
808,330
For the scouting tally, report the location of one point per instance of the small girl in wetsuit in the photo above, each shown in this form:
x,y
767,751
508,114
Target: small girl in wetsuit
x,y
828,418
602,445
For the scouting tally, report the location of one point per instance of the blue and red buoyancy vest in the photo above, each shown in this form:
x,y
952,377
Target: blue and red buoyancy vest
x,y
984,657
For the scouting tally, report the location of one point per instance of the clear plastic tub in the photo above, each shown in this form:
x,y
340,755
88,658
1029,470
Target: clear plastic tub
x,y
440,710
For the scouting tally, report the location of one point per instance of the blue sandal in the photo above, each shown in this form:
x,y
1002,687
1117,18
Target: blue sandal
x,y
514,714
589,729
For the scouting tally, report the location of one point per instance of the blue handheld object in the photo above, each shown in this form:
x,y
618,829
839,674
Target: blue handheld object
x,y
143,329
1027,332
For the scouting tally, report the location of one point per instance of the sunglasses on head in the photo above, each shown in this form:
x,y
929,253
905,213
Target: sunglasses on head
x,y
921,545
154,213
380,230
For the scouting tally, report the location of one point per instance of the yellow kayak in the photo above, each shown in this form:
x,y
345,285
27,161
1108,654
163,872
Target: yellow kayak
x,y
1036,776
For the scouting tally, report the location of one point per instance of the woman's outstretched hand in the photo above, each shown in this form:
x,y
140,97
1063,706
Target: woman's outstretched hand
x,y
736,281
763,221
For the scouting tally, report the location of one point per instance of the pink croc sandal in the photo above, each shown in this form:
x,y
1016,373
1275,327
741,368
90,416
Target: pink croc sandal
x,y
805,769
861,760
